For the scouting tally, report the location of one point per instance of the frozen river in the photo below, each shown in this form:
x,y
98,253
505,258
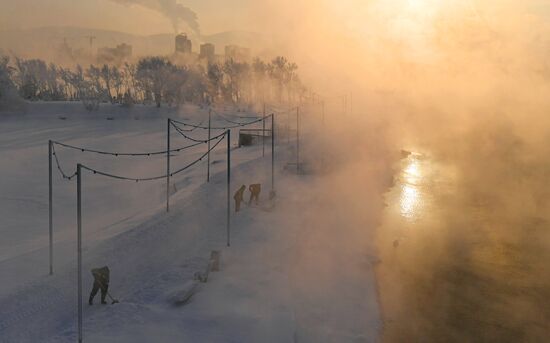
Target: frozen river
x,y
456,265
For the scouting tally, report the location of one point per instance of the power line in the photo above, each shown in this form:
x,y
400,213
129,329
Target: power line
x,y
191,129
199,141
65,176
153,178
117,154
200,158
218,128
123,177
223,117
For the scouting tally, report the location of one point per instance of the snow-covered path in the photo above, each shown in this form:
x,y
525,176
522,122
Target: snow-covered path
x,y
281,281
290,274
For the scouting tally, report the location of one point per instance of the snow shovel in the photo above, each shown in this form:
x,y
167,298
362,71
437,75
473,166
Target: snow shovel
x,y
114,301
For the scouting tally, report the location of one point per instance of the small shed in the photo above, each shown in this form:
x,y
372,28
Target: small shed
x,y
248,137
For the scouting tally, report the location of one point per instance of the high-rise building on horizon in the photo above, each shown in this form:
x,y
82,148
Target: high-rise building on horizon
x,y
183,44
208,51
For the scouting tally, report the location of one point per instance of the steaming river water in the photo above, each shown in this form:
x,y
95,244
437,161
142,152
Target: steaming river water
x,y
454,269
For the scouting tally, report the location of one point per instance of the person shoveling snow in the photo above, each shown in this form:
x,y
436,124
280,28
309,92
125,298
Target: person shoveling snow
x,y
239,198
255,190
101,281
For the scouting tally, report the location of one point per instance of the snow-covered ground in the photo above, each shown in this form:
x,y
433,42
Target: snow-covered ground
x,y
290,274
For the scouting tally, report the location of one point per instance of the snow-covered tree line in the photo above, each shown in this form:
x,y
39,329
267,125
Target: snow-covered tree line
x,y
153,80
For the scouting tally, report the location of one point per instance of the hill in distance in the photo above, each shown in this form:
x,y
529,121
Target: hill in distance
x,y
45,42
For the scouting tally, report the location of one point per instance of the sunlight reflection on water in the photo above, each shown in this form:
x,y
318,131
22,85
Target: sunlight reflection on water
x,y
410,199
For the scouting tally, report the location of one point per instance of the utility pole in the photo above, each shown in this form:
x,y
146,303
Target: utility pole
x,y
272,152
168,165
228,223
297,140
263,133
79,245
208,159
50,202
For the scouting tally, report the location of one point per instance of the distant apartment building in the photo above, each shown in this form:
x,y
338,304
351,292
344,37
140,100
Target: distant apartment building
x,y
237,53
183,44
208,51
117,55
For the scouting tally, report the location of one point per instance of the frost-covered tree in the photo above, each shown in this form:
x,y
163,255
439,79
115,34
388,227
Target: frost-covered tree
x,y
195,88
235,74
259,73
29,77
158,80
215,80
154,74
8,91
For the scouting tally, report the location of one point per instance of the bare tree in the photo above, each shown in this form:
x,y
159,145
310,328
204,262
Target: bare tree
x,y
8,91
154,74
259,71
158,80
235,74
215,80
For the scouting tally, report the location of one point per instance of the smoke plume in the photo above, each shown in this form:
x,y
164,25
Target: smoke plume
x,y
172,9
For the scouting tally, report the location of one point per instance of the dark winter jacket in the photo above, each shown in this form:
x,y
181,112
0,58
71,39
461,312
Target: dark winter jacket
x,y
239,194
255,188
101,275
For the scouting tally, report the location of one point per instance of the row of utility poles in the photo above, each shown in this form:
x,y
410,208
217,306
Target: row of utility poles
x,y
168,145
209,129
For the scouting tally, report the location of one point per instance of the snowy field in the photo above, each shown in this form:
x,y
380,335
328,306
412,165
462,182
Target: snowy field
x,y
287,277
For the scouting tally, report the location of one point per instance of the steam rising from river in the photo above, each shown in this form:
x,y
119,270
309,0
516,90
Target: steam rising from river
x,y
465,84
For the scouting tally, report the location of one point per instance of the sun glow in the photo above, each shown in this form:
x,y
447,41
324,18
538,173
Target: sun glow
x,y
410,198
416,4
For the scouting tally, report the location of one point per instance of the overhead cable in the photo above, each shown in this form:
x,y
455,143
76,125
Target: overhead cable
x,y
111,153
119,177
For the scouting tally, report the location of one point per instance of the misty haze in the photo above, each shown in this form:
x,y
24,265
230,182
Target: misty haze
x,y
271,171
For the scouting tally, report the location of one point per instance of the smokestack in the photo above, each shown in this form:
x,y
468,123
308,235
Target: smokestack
x,y
171,9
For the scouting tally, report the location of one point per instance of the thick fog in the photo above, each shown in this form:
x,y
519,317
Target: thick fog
x,y
463,85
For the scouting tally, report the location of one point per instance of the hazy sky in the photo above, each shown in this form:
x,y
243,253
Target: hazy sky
x,y
214,15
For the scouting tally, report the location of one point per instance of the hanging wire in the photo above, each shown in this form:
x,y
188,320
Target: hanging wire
x,y
191,129
200,158
199,141
223,117
123,177
153,178
218,128
117,154
110,153
65,176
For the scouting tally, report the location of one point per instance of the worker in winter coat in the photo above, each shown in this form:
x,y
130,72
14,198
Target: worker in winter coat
x,y
101,281
254,193
239,197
